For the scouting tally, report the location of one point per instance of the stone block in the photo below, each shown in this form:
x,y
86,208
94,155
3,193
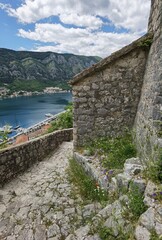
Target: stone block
x,y
147,219
141,233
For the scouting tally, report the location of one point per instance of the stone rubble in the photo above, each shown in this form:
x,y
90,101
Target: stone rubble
x,y
112,216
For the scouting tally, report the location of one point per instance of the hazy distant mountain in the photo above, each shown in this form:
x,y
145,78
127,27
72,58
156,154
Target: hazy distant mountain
x,y
40,67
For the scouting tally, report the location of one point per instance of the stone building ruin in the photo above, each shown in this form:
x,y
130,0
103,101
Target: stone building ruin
x,y
122,91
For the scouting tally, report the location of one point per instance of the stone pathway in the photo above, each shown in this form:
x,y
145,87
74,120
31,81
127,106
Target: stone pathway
x,y
39,204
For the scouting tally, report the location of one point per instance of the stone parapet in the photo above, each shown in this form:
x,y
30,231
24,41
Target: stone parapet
x,y
16,160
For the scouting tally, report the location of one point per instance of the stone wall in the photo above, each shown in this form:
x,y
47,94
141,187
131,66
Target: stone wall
x,y
17,159
148,121
106,96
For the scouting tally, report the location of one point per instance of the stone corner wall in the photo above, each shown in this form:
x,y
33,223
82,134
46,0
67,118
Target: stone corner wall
x,y
148,124
17,159
106,102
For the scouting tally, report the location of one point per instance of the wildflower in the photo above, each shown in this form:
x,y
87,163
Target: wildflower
x,y
97,185
106,178
154,195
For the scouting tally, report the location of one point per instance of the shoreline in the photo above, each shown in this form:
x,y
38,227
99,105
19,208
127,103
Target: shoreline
x,y
33,129
30,94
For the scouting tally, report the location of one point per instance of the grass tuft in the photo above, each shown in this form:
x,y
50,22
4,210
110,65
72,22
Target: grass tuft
x,y
136,203
87,187
113,151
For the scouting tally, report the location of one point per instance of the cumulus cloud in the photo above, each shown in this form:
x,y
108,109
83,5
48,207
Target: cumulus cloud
x,y
122,13
90,33
131,15
81,20
77,40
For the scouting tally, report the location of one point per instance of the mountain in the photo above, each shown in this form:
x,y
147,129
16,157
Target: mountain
x,y
24,68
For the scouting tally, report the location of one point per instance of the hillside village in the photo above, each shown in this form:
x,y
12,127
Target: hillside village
x,y
5,92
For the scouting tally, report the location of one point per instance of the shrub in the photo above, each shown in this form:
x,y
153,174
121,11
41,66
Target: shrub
x,y
65,120
4,139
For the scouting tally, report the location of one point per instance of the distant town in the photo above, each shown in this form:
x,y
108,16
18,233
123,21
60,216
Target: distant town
x,y
5,92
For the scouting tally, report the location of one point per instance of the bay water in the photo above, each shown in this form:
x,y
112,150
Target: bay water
x,y
29,110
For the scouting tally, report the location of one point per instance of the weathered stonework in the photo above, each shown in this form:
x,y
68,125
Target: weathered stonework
x,y
148,122
17,159
106,96
122,91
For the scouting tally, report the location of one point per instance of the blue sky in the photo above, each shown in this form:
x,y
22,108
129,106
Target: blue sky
x,y
95,28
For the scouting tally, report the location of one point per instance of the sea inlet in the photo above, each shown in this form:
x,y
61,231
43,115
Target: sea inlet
x,y
29,110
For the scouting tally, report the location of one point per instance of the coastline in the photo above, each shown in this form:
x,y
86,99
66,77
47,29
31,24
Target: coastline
x,y
35,128
29,94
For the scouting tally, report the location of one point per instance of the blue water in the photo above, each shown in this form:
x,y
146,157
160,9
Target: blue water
x,y
27,111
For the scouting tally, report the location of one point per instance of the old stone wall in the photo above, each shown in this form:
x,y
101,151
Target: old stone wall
x,y
106,98
17,159
148,121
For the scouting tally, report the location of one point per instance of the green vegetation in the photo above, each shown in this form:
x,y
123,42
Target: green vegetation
x,y
107,234
34,85
4,139
136,204
33,71
154,236
65,120
154,169
114,151
146,43
87,187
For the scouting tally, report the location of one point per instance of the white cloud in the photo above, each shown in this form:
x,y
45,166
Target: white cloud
x,y
77,40
81,20
4,6
131,15
123,13
88,17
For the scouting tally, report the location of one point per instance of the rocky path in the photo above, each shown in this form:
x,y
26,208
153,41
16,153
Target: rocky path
x,y
40,204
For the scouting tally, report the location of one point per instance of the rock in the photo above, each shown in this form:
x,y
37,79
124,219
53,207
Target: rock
x,y
94,237
53,231
87,152
112,224
158,228
123,181
113,185
2,208
11,237
40,232
88,210
147,219
142,233
133,166
27,234
69,211
105,212
151,188
82,232
139,183
71,237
